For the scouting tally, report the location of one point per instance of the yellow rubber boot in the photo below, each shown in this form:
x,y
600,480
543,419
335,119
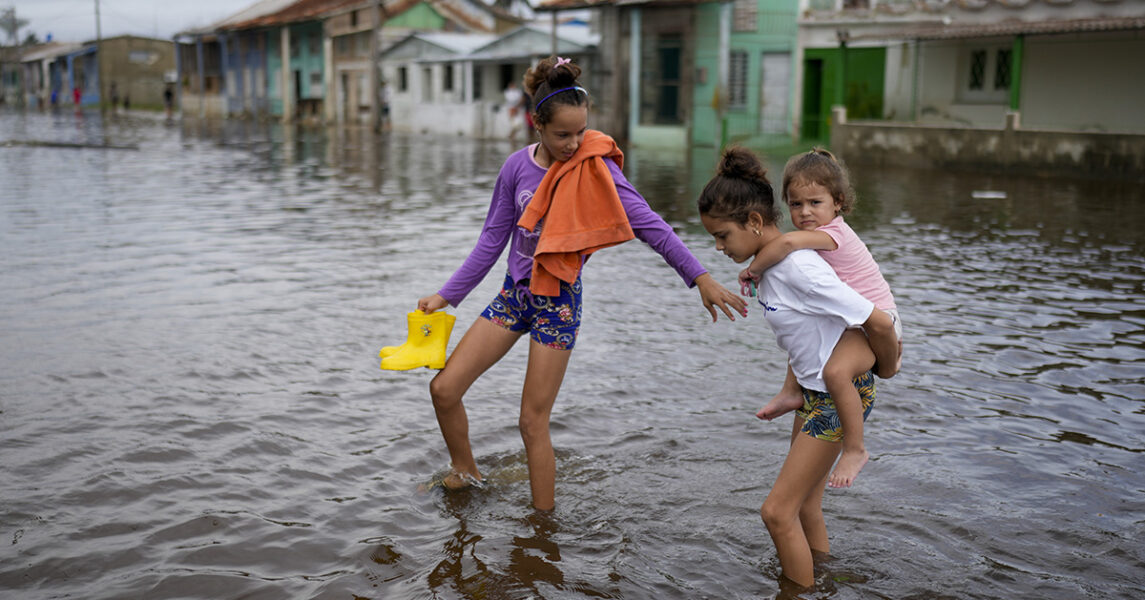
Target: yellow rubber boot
x,y
425,343
389,351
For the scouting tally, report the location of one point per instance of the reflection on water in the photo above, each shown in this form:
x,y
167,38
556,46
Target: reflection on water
x,y
191,403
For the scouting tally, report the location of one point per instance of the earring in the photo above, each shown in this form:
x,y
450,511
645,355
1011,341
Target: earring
x,y
756,231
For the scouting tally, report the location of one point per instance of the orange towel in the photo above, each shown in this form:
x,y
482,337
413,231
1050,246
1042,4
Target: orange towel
x,y
582,213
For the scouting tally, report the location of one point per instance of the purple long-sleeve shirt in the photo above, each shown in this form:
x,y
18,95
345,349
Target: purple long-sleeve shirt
x,y
518,179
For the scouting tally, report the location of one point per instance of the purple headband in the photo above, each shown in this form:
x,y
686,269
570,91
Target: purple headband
x,y
537,106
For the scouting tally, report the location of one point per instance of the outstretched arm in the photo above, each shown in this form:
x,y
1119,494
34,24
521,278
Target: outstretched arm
x,y
779,248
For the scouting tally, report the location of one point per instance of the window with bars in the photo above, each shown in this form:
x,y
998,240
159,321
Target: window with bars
x,y
1002,70
985,75
977,69
447,78
737,80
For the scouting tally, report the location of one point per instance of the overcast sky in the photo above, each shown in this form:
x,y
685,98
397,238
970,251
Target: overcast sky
x,y
74,20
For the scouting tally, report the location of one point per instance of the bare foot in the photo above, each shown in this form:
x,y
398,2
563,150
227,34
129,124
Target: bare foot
x,y
458,480
783,402
848,467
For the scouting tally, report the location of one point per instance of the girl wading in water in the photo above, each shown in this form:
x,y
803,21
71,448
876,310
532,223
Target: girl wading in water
x,y
554,203
811,311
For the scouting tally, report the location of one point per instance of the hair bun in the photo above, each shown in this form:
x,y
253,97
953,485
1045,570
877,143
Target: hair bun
x,y
741,163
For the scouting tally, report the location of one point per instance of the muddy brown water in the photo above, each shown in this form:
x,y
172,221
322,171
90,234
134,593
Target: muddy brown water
x,y
190,403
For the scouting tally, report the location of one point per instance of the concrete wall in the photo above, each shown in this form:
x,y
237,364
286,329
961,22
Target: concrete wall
x,y
1010,150
211,105
1105,90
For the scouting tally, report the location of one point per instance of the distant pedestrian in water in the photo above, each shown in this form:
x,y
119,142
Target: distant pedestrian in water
x,y
514,102
77,96
817,192
572,181
810,310
168,100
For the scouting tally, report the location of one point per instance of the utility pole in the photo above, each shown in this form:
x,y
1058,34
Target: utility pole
x,y
372,78
99,61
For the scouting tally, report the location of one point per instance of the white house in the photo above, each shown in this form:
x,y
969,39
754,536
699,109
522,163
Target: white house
x,y
453,83
1059,64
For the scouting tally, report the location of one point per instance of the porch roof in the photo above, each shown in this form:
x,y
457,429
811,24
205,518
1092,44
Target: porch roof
x,y
51,50
555,5
571,39
441,45
1006,28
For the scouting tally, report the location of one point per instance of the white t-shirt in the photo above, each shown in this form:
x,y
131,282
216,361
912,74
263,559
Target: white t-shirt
x,y
808,308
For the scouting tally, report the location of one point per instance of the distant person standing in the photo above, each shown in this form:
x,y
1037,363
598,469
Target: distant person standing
x,y
514,100
77,95
168,100
385,106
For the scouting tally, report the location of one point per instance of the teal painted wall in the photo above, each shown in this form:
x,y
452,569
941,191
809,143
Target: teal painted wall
x,y
775,31
306,64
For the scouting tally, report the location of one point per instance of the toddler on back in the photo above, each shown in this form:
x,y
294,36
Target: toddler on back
x,y
817,191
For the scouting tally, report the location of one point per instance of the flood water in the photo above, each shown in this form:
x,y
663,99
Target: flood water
x,y
191,405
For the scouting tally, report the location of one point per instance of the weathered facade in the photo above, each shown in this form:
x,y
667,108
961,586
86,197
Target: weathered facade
x,y
45,80
689,72
309,58
1015,85
136,70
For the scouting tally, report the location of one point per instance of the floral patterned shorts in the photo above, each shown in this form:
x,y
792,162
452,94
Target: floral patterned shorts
x,y
821,421
550,320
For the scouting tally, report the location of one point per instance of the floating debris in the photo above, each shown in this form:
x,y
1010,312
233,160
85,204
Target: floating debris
x,y
988,195
45,144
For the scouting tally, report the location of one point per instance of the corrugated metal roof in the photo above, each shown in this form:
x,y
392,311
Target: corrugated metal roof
x,y
300,10
258,9
1008,28
552,5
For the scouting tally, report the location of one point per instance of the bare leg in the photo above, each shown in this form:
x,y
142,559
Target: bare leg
x,y
543,380
482,346
885,344
798,493
788,399
852,356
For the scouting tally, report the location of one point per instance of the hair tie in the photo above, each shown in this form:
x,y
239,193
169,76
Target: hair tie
x,y
562,61
537,106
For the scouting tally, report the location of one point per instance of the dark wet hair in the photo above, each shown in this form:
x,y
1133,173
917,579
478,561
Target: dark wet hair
x,y
739,188
821,167
551,85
